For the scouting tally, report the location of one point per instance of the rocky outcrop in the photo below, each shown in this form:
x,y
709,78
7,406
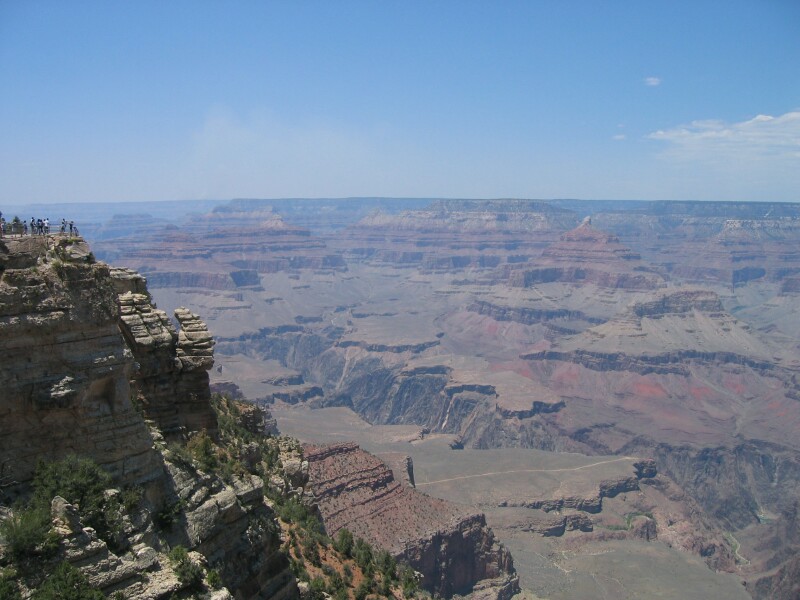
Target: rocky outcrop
x,y
451,547
235,530
747,250
587,503
528,316
725,242
296,394
790,286
78,343
665,334
171,381
228,527
644,364
177,279
558,526
103,569
782,580
679,302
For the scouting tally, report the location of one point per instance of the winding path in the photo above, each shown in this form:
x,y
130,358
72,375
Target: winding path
x,y
602,462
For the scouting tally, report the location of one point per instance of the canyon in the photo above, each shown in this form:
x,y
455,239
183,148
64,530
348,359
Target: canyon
x,y
613,384
92,369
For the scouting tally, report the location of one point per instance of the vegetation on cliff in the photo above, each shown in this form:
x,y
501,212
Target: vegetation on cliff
x,y
343,567
34,544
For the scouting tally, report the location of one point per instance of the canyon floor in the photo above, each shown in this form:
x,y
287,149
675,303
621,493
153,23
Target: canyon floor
x,y
553,567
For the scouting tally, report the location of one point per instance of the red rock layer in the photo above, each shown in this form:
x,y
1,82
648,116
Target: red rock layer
x,y
449,545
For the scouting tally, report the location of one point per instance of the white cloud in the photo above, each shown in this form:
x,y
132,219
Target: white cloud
x,y
756,159
652,81
761,138
619,137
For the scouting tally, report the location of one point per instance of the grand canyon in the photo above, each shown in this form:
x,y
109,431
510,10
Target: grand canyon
x,y
541,399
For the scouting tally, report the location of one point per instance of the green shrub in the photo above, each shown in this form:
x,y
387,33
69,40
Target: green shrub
x,y
364,589
298,567
231,469
180,456
131,497
317,587
343,543
311,551
178,554
28,533
189,573
335,581
8,587
202,449
341,594
79,481
292,510
214,579
385,588
58,267
66,583
386,564
362,553
408,579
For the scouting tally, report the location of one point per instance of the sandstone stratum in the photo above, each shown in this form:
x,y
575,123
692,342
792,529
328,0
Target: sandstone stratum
x,y
201,500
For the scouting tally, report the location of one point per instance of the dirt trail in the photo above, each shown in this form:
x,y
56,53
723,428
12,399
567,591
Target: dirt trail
x,y
589,466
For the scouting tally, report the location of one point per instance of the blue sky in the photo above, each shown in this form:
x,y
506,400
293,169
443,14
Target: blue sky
x,y
114,101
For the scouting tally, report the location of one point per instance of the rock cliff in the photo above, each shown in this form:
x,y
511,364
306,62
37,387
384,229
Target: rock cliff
x,y
64,366
450,546
82,349
90,367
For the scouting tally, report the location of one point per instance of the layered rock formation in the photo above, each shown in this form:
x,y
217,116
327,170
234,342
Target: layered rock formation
x,y
171,381
64,366
451,547
78,344
588,255
451,235
716,242
223,250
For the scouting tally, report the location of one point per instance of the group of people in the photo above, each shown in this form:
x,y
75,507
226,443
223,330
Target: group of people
x,y
36,226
